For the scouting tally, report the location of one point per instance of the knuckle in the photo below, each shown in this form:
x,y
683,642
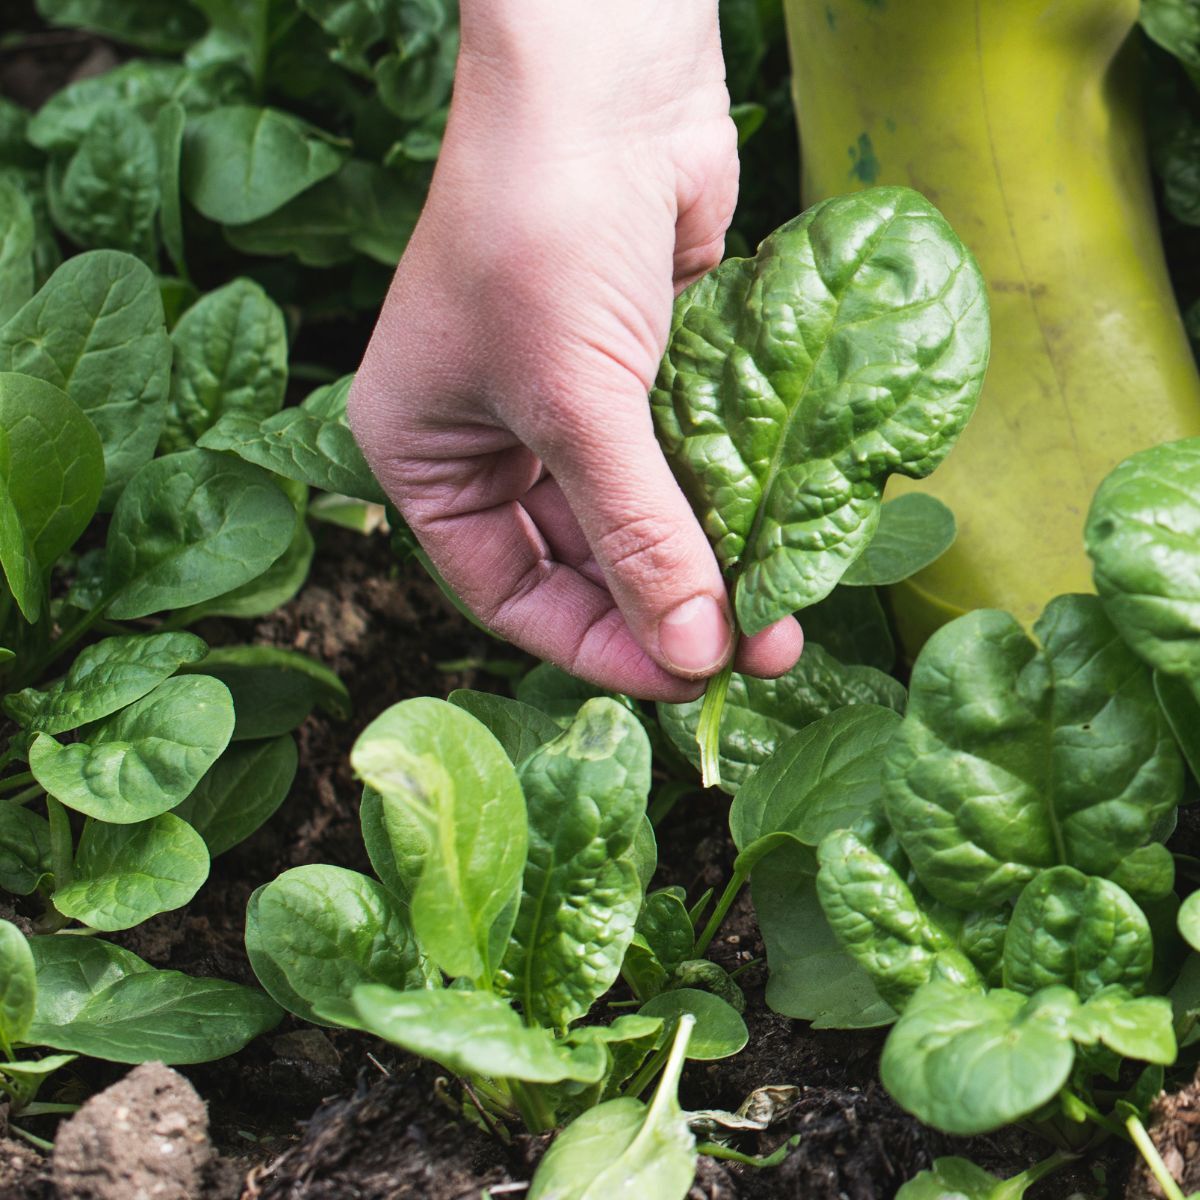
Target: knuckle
x,y
644,549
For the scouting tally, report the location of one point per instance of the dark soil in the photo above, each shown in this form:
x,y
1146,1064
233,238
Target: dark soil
x,y
1175,1131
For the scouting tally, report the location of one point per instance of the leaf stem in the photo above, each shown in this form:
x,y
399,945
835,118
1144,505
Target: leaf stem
x,y
716,1150
1149,1151
651,1067
532,1105
60,645
30,793
668,1084
728,896
16,781
708,731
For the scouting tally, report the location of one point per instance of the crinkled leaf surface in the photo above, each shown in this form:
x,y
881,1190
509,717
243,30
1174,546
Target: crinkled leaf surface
x,y
761,714
96,331
104,678
824,778
586,797
967,1062
310,443
241,162
192,526
1076,930
95,998
320,931
126,874
18,986
24,849
473,1033
274,689
914,530
1132,1026
455,784
145,759
55,467
240,791
812,975
665,925
519,728
1142,531
230,357
1014,757
852,347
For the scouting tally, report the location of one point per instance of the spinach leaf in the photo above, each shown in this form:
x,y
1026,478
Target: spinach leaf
x,y
240,792
126,874
518,727
456,786
556,693
1141,533
55,464
719,1029
586,797
761,714
1132,1026
666,926
189,527
316,932
18,987
623,1148
874,915
168,144
415,81
1180,702
17,232
963,1180
395,842
95,998
241,162
1175,26
95,330
311,443
1073,929
160,25
107,195
1013,758
1188,919
24,849
144,760
104,678
17,558
473,1033
914,530
274,689
852,347
230,356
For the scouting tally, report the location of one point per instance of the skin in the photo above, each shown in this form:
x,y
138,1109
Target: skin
x,y
588,174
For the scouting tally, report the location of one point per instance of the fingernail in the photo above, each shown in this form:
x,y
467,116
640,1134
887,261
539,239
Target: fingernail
x,y
694,639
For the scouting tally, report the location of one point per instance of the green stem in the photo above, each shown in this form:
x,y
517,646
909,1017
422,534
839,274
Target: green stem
x,y
1098,1118
30,793
1045,1167
651,1067
39,1143
16,781
728,896
532,1105
708,731
716,1150
1149,1151
61,645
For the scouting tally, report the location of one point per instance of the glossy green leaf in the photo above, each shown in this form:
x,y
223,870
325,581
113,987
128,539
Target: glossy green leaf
x,y
961,1179
623,1149
556,693
456,785
914,530
17,559
416,80
665,925
1014,757
96,331
18,987
1078,931
311,443
126,874
55,464
824,778
395,841
518,727
1189,920
874,915
851,348
473,1033
316,932
1180,702
106,196
1141,533
628,1040
761,714
230,356
144,760
168,143
720,1030
17,233
104,678
24,849
812,975
240,792
1134,1027
1148,874
95,998
968,1062
586,798
189,527
159,25
274,689
241,162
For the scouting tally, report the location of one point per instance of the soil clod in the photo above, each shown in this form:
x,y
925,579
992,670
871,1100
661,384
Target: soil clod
x,y
1175,1130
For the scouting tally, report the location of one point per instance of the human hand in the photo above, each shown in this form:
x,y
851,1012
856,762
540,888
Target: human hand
x,y
588,174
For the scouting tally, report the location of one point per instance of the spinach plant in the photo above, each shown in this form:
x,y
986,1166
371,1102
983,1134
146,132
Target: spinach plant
x,y
852,347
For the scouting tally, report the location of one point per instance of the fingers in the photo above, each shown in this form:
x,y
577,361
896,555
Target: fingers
x,y
706,204
773,652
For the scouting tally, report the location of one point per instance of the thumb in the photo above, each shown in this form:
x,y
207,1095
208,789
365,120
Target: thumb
x,y
641,530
